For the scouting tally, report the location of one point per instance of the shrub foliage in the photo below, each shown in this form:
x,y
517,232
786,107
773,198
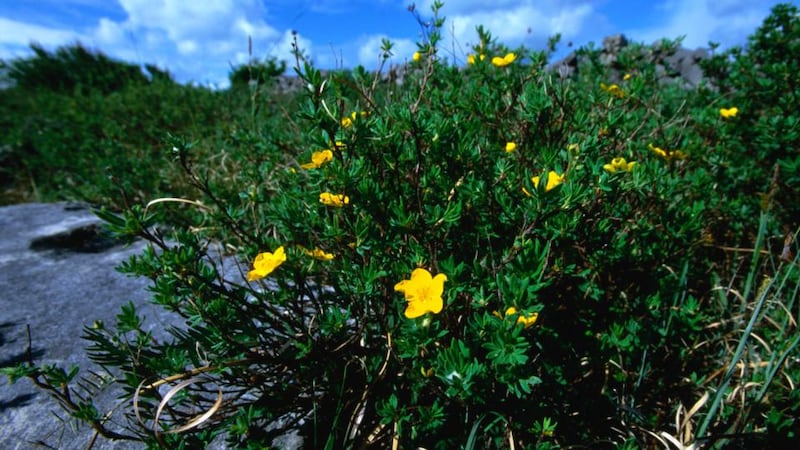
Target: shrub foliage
x,y
488,254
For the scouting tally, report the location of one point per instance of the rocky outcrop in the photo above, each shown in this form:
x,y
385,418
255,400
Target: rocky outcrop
x,y
673,65
57,275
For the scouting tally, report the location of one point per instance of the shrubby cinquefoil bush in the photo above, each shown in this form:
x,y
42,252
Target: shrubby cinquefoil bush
x,y
489,255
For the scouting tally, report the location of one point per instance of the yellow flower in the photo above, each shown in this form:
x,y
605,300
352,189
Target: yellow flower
x,y
318,159
553,180
319,254
338,145
471,58
627,77
337,200
510,147
658,151
417,56
727,113
265,263
619,165
505,60
423,293
526,321
573,148
347,122
667,155
613,89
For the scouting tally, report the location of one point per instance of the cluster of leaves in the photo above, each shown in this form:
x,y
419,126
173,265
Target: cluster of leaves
x,y
760,146
490,255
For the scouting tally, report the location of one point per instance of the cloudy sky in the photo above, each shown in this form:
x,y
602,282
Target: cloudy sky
x,y
199,40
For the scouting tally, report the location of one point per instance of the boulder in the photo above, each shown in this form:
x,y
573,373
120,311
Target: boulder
x,y
57,275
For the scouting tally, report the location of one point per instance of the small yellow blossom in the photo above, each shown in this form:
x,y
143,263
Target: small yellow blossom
x,y
319,254
416,57
318,159
336,200
471,58
553,180
347,122
526,321
338,145
627,77
727,113
510,147
667,155
658,151
613,89
423,293
505,60
619,165
573,148
265,263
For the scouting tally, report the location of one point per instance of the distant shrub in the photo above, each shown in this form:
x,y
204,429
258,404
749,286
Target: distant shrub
x,y
257,72
72,68
80,126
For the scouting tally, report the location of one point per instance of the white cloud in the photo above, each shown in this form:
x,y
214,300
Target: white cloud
x,y
282,48
187,47
204,37
511,22
109,32
184,19
513,26
467,6
370,53
19,35
200,26
189,38
726,21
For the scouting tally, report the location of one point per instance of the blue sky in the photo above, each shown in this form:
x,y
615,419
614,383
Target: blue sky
x,y
199,40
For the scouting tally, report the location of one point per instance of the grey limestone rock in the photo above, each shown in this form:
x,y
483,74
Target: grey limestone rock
x,y
57,275
678,65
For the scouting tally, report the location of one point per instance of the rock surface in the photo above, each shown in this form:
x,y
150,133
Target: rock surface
x,y
56,275
679,65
